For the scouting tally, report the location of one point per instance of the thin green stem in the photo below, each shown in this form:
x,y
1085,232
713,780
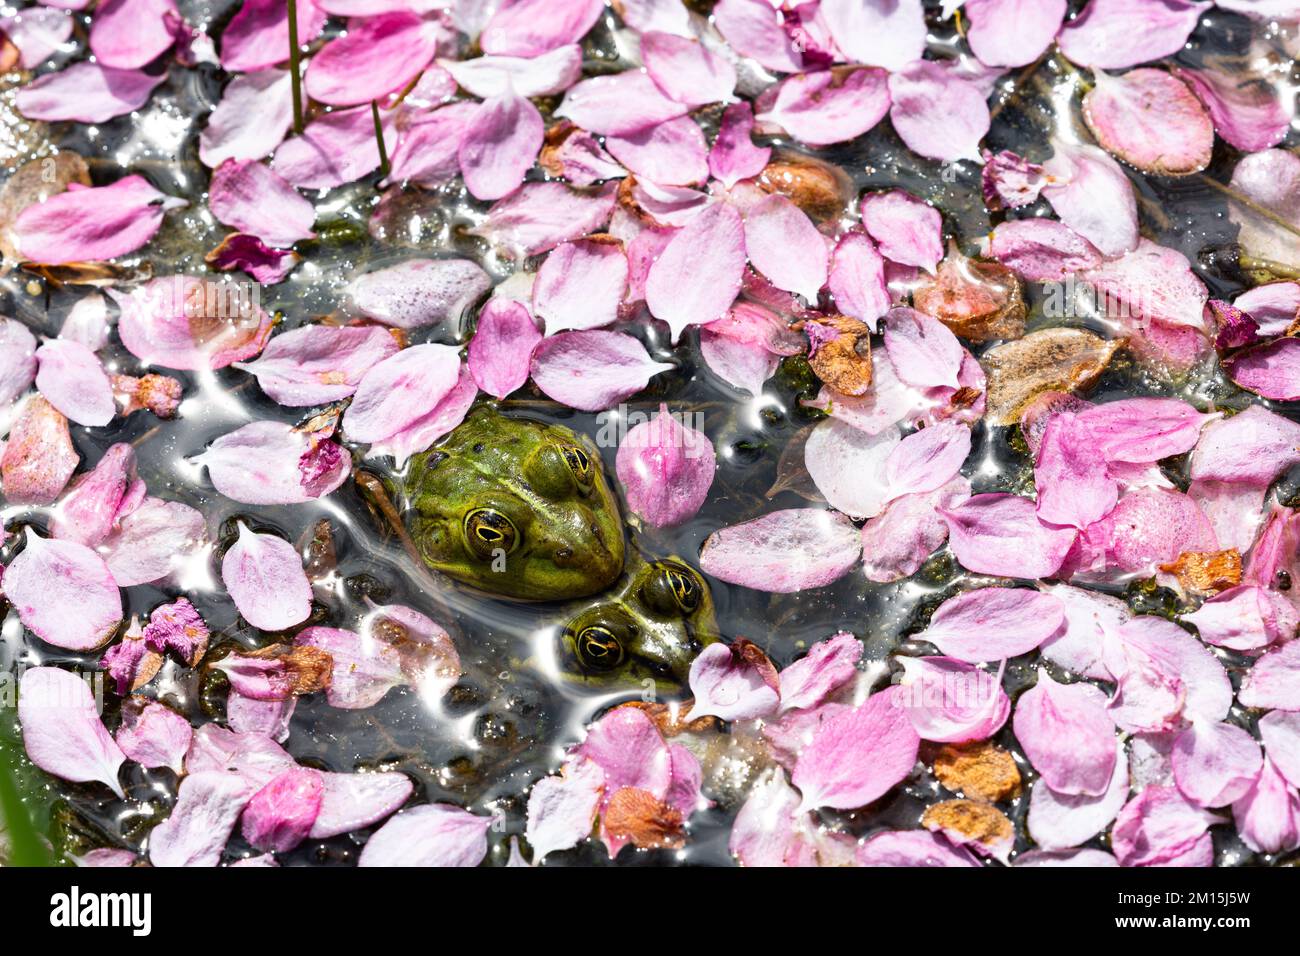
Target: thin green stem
x,y
379,138
294,73
1243,200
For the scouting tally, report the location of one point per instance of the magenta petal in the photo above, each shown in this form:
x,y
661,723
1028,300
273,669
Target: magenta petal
x,y
1215,763
858,755
1067,735
258,34
73,380
1245,618
1268,816
379,55
785,246
90,224
350,801
923,350
907,230
365,668
784,551
888,33
828,666
1271,370
90,509
255,113
1001,535
700,272
153,541
1250,116
822,108
334,149
950,701
64,593
1093,196
1273,682
1251,448
62,732
1150,119
1116,34
593,370
671,153
562,809
315,364
580,285
533,27
897,542
686,70
153,735
501,350
207,807
127,34
1157,827
399,390
252,198
264,577
435,834
86,93
728,686
542,215
259,464
547,75
936,113
990,624
848,466
1042,250
1012,32
280,815
1060,821
913,848
618,104
1073,486
857,279
500,145
666,469
753,29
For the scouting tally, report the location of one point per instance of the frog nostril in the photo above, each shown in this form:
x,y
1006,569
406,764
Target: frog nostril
x,y
563,556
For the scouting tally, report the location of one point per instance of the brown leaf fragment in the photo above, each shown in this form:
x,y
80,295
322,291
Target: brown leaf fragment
x,y
668,717
972,821
318,544
642,819
841,356
980,770
1047,360
979,301
819,189
1206,572
309,668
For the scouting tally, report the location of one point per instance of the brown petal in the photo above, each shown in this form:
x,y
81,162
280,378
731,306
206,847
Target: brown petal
x,y
310,668
668,718
978,822
844,363
981,770
1207,572
817,188
649,823
979,301
1046,360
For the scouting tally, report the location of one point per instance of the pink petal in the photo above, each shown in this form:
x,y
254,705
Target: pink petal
x,y
1215,763
581,159
438,421
377,56
38,33
897,542
258,464
666,469
1093,196
1116,34
666,16
857,279
1151,120
280,815
153,735
1245,618
255,758
1153,526
91,224
822,108
502,347
419,292
1067,735
829,665
153,541
698,275
264,577
435,834
936,113
127,34
1090,617
365,668
766,831
1042,250
1154,647
63,592
240,251
17,359
267,717
399,390
38,457
62,732
1269,178
1250,116
1143,429
1271,370
73,380
848,466
990,624
888,33
185,323
1012,32
729,686
1252,448
923,350
1273,682
207,807
1060,821
1273,306
547,75
631,752
252,198
1153,283
350,801
1234,511
90,509
86,93
335,148
542,215
500,145
315,364
753,29
258,34
950,701
429,152
533,27
1280,732
1268,816
784,551
857,756
913,848
928,459
687,70
593,370
562,809
618,104
252,118
907,230
671,153
1001,535
1157,827
786,247
580,285
1073,486
1082,857
1009,181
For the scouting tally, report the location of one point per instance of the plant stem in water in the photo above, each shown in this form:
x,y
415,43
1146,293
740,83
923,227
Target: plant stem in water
x,y
379,138
1242,199
294,72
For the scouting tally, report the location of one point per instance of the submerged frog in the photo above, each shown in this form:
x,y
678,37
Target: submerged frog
x,y
515,507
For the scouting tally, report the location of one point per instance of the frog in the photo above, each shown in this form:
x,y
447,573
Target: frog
x,y
515,507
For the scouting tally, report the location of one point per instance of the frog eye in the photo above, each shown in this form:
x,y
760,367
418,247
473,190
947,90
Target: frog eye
x,y
598,648
488,531
580,464
673,589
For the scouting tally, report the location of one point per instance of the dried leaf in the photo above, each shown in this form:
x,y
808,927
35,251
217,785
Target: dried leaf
x,y
816,188
980,769
1046,360
1206,571
670,718
843,362
978,300
637,816
973,822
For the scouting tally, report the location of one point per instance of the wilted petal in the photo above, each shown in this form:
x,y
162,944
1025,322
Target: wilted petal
x,y
184,322
425,430
593,370
1001,535
89,510
64,593
1089,617
258,34
1245,618
1272,370
1093,196
264,577
1115,34
38,457
1253,448
419,292
280,815
923,350
502,347
927,459
784,551
1158,827
260,464
1249,115
153,540
1073,486
580,285
857,279
62,732
1067,735
938,114
1150,119
1273,682
858,755
826,106
989,624
1012,32
153,735
672,153
666,469
1159,665
73,380
250,121
699,274
90,224
1042,250
733,682
435,834
1060,821
365,668
207,807
127,34
561,809
86,93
